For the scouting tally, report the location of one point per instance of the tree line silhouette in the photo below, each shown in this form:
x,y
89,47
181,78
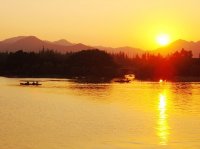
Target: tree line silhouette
x,y
96,63
176,66
48,63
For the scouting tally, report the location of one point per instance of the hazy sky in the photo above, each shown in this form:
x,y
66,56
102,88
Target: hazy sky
x,y
102,22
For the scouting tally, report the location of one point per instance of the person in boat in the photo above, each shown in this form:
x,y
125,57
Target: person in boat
x,y
30,83
35,83
27,83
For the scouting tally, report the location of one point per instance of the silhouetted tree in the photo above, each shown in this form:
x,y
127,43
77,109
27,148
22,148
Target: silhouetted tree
x,y
91,63
96,63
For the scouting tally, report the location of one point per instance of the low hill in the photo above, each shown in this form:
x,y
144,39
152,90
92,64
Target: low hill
x,y
179,45
63,42
130,51
32,43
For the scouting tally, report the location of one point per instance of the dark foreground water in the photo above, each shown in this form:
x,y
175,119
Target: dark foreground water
x,y
62,114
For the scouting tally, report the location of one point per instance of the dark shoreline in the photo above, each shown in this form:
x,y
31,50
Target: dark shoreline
x,y
97,65
103,79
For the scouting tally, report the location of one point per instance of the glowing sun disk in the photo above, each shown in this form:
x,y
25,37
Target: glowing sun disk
x,y
163,39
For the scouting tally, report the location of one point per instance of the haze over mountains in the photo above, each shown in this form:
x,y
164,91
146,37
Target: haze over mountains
x,y
179,45
63,42
32,43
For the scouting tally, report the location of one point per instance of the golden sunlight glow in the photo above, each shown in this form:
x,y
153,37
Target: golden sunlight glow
x,y
122,27
163,128
163,39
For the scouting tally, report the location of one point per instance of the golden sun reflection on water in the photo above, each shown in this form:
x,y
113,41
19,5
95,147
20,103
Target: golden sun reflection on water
x,y
162,124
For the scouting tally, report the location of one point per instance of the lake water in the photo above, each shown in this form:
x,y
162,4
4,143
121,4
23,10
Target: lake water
x,y
62,114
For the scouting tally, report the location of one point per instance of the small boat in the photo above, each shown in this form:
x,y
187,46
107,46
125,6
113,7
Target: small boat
x,y
30,83
123,80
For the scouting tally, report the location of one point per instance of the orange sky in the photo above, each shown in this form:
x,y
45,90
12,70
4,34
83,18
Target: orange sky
x,y
102,22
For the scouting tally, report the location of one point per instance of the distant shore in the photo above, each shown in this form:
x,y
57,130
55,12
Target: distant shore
x,y
186,79
99,66
97,79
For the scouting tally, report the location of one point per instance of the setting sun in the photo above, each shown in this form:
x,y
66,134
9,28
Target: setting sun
x,y
163,39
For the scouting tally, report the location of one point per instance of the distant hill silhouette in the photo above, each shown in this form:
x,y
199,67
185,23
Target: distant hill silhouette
x,y
180,44
127,50
63,42
13,40
32,43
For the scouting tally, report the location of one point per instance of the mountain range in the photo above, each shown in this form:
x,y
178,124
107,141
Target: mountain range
x,y
32,43
180,44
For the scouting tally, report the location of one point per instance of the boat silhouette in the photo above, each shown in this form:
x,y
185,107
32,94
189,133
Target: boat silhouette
x,y
30,83
125,80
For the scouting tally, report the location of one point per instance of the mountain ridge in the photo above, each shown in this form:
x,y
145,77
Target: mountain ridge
x,y
34,44
63,42
180,44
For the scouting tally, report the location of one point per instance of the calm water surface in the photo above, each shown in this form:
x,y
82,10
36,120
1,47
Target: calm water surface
x,y
62,114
